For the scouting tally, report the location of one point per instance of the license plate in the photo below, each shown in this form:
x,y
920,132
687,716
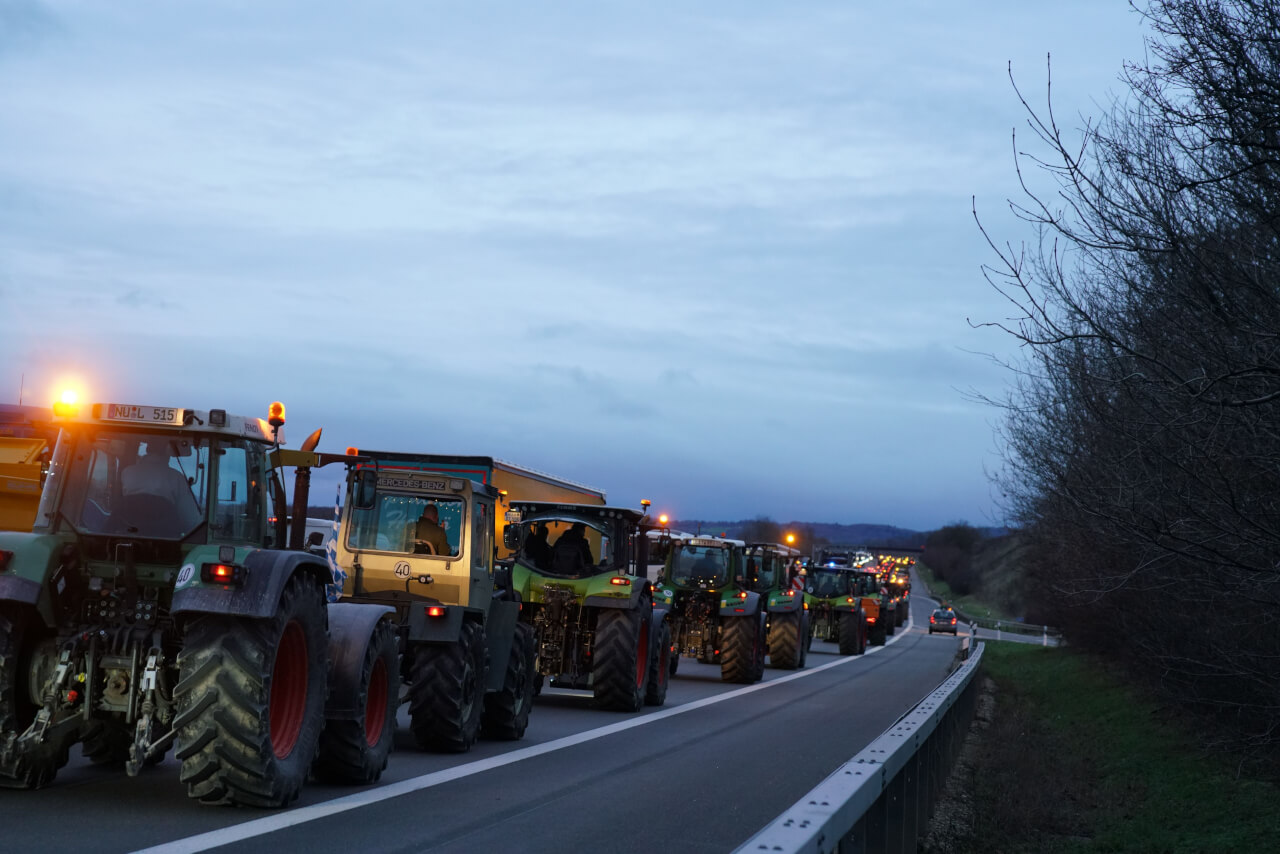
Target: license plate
x,y
143,414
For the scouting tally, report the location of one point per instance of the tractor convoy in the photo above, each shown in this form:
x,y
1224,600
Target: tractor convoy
x,y
162,590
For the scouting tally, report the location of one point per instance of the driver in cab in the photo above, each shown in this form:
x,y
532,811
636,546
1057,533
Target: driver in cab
x,y
428,535
152,475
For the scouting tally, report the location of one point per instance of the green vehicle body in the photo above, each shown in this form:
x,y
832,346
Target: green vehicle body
x,y
466,666
834,598
714,616
772,572
122,612
595,623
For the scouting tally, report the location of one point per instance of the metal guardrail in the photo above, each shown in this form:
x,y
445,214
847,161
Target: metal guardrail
x,y
881,799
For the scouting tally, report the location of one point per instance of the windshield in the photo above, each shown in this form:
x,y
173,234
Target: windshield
x,y
699,566
827,584
124,483
408,524
566,546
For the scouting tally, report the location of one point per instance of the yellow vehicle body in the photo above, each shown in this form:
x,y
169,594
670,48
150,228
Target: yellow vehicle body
x,y
20,465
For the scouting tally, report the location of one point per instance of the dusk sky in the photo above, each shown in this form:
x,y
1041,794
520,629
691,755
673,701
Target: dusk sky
x,y
718,255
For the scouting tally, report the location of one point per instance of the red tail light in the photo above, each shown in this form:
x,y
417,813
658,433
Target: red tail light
x,y
435,611
221,573
620,581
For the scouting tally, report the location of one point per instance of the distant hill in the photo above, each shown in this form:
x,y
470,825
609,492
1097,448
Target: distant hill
x,y
823,533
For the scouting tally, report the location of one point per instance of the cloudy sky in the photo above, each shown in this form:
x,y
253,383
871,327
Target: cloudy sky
x,y
715,254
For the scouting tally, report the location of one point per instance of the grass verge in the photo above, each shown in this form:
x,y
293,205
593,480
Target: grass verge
x,y
973,605
1075,759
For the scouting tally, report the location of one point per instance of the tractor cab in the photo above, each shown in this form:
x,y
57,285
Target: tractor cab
x,y
577,540
705,563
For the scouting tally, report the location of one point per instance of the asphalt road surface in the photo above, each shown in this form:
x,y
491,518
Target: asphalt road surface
x,y
702,773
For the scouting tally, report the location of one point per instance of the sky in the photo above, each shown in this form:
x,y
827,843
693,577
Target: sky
x,y
717,255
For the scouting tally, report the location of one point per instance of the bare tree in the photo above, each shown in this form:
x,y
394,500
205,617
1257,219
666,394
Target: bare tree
x,y
1143,455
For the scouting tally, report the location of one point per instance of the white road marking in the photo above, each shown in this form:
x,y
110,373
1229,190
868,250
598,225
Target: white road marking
x,y
326,809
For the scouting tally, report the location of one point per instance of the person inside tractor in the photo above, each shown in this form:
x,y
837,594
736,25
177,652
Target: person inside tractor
x,y
537,549
428,535
571,554
154,489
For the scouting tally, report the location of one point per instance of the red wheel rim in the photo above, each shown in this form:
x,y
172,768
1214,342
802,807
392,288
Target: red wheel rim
x,y
288,690
642,651
375,706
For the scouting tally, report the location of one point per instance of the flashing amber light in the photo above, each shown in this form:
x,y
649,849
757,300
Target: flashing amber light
x,y
221,572
435,611
663,519
742,594
644,502
66,404
806,604
621,581
791,538
353,452
275,414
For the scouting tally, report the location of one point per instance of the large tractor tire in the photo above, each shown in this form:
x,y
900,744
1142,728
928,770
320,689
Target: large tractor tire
x,y
660,668
742,648
620,673
785,646
355,750
18,636
506,711
446,701
250,697
853,638
901,614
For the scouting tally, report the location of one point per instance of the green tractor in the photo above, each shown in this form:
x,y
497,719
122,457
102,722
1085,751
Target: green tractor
x,y
155,602
580,573
417,535
714,616
833,594
771,572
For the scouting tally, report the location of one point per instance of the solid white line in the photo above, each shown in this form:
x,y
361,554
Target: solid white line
x,y
325,809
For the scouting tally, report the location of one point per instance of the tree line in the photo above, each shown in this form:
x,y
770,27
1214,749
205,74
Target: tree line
x,y
1142,428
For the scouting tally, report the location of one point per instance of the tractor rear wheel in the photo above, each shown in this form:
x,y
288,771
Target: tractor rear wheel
x,y
784,640
35,767
740,646
446,701
620,674
851,633
250,699
660,668
506,711
356,750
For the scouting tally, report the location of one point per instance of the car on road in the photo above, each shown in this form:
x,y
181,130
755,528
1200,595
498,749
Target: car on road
x,y
942,620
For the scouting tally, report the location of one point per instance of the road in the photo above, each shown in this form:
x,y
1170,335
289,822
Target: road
x,y
702,773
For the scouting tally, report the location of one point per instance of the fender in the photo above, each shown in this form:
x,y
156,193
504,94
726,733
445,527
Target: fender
x,y
14,588
638,588
781,604
266,572
656,619
446,628
500,632
350,630
750,606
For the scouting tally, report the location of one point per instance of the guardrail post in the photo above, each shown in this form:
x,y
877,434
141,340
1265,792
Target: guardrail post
x,y
1044,641
895,813
876,823
997,631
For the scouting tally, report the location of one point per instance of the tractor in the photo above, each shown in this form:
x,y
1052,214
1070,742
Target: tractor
x,y
714,616
164,597
580,573
834,598
771,572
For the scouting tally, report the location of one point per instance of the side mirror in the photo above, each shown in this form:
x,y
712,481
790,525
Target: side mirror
x,y
366,489
314,539
511,536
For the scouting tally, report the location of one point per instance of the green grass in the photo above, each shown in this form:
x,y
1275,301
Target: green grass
x,y
1078,760
974,605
